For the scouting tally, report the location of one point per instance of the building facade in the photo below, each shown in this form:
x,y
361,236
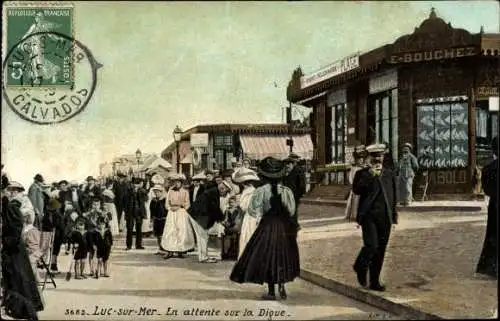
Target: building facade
x,y
220,146
436,88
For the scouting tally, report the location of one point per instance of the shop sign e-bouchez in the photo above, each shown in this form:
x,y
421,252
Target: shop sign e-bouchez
x,y
429,55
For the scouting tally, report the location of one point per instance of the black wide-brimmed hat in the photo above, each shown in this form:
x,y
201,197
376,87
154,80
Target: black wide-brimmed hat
x,y
271,167
120,174
137,180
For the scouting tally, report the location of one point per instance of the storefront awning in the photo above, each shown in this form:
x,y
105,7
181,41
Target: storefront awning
x,y
259,147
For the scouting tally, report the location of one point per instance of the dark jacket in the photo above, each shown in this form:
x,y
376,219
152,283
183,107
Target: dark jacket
x,y
296,181
19,283
234,220
121,191
136,205
191,192
67,196
157,208
368,186
88,193
206,209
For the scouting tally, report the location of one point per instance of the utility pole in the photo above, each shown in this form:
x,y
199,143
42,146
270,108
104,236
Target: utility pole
x,y
289,141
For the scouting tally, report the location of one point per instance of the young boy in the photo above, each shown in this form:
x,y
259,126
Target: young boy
x,y
92,216
79,240
158,214
103,241
232,227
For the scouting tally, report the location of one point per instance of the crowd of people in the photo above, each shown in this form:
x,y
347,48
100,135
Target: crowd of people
x,y
244,209
252,211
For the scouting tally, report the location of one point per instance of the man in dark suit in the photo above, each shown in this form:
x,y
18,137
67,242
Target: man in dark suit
x,y
197,187
135,212
295,179
376,187
204,212
121,189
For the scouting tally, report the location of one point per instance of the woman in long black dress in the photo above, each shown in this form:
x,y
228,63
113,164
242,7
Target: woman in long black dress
x,y
21,297
271,256
488,264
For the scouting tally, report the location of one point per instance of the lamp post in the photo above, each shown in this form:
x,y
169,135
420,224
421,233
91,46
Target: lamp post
x,y
177,138
138,156
289,141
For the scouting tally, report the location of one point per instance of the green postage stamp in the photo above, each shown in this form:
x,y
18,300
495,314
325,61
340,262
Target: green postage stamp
x,y
32,32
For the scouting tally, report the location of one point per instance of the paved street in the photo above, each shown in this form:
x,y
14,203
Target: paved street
x,y
429,265
144,286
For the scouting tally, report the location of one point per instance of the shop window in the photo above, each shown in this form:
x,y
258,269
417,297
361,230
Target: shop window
x,y
337,126
443,140
386,119
486,129
223,140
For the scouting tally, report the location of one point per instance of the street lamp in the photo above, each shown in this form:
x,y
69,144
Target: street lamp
x,y
289,141
138,156
177,139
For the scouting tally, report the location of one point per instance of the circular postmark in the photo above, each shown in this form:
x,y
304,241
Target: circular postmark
x,y
48,77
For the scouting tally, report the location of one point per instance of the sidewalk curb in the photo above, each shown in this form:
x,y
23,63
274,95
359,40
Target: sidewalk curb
x,y
401,310
437,208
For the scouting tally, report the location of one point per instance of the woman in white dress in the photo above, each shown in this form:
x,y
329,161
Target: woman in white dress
x,y
247,177
178,235
109,207
351,209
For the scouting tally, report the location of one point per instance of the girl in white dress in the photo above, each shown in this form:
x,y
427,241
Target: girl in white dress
x,y
247,177
178,235
109,207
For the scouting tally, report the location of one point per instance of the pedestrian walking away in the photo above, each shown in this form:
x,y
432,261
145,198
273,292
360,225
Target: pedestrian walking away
x,y
271,255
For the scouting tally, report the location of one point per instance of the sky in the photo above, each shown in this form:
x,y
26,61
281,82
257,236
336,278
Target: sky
x,y
189,63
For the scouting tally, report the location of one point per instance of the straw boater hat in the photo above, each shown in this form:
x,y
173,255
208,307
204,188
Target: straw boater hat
x,y
157,179
245,175
271,167
16,186
199,177
376,149
73,183
408,145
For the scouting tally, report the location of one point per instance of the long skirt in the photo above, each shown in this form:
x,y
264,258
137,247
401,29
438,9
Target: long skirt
x,y
405,189
248,227
178,234
146,223
113,224
271,255
488,261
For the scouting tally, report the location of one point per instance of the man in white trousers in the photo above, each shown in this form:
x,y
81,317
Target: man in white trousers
x,y
205,212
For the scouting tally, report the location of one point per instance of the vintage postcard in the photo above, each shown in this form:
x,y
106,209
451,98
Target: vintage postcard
x,y
239,160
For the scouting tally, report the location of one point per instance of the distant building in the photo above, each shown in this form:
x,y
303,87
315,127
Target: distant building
x,y
219,146
127,164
